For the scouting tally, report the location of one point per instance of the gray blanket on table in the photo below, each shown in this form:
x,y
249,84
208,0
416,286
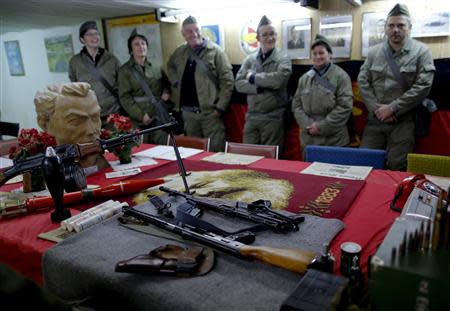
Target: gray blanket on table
x,y
83,266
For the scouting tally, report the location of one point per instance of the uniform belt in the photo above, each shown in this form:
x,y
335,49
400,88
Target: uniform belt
x,y
193,109
141,99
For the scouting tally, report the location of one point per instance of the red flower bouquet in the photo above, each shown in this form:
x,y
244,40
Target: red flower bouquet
x,y
32,142
120,125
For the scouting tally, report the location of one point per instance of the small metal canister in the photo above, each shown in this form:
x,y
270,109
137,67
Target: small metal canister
x,y
349,251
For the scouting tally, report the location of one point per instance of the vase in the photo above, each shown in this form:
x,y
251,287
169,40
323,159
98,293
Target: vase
x,y
33,181
124,154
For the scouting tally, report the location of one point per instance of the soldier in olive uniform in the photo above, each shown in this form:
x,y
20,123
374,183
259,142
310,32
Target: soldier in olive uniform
x,y
323,101
202,84
97,67
390,102
144,89
264,77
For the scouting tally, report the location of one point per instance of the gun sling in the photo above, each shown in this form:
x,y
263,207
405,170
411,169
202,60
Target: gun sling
x,y
163,115
98,75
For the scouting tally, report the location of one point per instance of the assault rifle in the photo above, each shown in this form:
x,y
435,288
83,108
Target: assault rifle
x,y
259,211
292,259
75,179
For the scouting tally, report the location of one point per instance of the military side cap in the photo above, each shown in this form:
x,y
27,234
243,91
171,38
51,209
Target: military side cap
x,y
319,39
86,26
190,20
263,22
399,9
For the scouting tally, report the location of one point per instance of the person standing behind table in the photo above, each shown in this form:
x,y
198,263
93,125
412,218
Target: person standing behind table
x,y
97,67
395,78
202,81
144,90
264,77
323,101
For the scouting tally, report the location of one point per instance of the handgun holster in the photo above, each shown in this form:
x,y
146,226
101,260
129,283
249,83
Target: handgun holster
x,y
170,260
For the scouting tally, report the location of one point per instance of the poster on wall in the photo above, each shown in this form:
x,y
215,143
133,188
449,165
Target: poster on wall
x,y
372,30
431,24
247,38
118,29
14,58
338,29
296,38
59,52
214,34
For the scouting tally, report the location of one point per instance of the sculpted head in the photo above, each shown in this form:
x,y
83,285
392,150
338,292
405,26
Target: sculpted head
x,y
70,112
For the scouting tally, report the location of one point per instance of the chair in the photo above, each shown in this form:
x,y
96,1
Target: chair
x,y
267,151
9,129
191,142
429,164
346,155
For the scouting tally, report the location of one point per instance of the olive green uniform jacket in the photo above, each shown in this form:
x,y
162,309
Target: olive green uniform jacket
x,y
378,85
131,94
330,109
266,98
210,96
108,66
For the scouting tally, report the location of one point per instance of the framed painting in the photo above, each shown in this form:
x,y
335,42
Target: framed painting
x,y
214,34
431,24
296,38
372,30
59,52
14,57
117,30
338,30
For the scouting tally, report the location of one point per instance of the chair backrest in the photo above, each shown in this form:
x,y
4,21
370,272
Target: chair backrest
x,y
267,151
346,155
191,142
8,128
5,145
429,164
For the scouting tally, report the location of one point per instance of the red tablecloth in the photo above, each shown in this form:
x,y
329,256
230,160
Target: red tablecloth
x,y
367,221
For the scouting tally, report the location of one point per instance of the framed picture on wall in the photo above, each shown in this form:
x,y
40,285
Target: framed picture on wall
x,y
296,38
372,30
14,58
431,24
214,33
338,29
117,30
59,52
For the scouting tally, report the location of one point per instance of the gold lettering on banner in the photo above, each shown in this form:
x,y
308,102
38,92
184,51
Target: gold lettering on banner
x,y
321,204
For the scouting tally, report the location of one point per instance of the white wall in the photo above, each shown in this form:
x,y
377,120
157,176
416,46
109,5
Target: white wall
x,y
17,92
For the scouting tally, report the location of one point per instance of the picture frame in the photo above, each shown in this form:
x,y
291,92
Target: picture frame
x,y
296,38
372,30
14,57
214,33
431,24
59,51
117,30
338,30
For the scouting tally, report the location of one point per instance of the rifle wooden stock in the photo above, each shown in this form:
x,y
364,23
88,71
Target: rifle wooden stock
x,y
291,259
295,260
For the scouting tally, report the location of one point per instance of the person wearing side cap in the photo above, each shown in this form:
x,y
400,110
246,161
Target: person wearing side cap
x,y
202,84
264,77
323,101
395,78
144,89
97,67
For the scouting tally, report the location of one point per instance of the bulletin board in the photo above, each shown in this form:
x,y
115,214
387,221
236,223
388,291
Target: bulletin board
x,y
117,30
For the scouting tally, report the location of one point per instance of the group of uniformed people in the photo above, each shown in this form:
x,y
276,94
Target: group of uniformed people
x,y
395,78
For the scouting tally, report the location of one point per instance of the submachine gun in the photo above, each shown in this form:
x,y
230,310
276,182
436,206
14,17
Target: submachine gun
x,y
74,176
259,211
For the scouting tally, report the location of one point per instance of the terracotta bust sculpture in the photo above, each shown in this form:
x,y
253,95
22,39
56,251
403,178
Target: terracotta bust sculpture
x,y
71,113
